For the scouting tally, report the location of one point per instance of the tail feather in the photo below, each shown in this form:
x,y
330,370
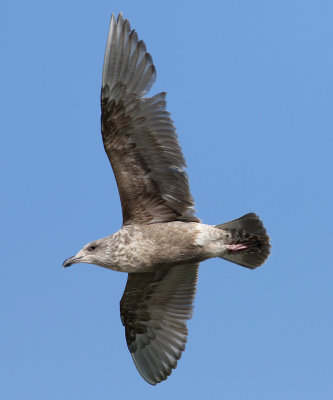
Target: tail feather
x,y
249,244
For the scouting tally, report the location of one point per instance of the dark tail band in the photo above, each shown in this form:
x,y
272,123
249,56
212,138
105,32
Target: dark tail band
x,y
249,243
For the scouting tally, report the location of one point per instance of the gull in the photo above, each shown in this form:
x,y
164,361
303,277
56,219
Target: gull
x,y
161,241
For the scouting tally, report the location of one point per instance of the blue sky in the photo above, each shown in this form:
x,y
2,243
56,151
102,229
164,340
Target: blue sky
x,y
250,88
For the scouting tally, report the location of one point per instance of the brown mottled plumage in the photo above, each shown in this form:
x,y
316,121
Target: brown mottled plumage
x,y
161,242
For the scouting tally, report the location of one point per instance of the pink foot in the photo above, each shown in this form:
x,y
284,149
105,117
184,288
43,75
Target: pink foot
x,y
237,247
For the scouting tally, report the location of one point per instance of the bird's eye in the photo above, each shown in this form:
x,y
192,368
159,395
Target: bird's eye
x,y
92,247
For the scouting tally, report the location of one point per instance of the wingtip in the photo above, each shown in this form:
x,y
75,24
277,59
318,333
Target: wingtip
x,y
126,58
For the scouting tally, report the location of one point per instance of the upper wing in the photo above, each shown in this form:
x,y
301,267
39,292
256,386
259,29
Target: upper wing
x,y
138,135
154,309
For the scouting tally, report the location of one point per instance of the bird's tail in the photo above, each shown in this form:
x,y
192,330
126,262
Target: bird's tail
x,y
248,242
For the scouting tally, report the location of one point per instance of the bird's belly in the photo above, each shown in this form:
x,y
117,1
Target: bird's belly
x,y
149,258
145,248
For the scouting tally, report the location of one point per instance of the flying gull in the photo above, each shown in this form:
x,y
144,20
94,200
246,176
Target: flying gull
x,y
161,241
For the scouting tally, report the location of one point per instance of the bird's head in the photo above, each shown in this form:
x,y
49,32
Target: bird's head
x,y
96,252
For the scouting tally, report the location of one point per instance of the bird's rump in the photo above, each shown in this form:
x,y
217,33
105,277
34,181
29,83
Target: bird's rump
x,y
139,136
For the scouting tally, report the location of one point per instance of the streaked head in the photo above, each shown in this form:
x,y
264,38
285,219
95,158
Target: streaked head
x,y
95,252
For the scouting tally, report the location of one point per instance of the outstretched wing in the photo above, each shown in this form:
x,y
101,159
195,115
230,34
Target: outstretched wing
x,y
138,135
154,309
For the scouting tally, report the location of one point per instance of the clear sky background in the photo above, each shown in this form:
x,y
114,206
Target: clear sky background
x,y
250,88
